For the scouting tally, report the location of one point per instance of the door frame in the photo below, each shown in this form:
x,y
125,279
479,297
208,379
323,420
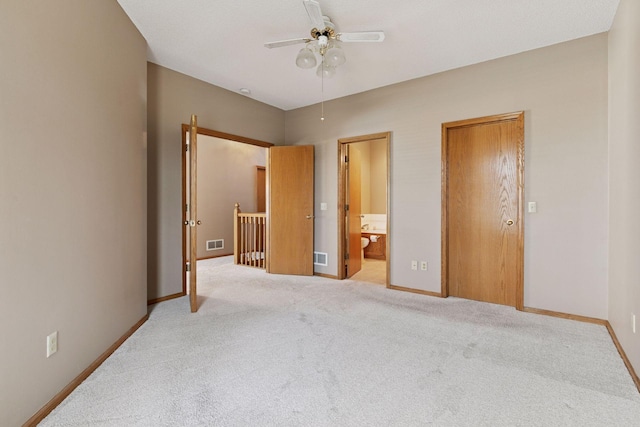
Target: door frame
x,y
192,212
342,197
518,117
185,214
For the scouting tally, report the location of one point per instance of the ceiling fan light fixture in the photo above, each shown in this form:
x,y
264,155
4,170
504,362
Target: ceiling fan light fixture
x,y
324,43
326,71
306,58
334,56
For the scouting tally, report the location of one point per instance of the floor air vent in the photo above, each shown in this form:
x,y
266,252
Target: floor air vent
x,y
214,245
320,258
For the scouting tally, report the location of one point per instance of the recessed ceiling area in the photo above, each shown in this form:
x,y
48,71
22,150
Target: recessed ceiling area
x,y
222,42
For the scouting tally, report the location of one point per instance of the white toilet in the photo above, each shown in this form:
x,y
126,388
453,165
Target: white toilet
x,y
364,242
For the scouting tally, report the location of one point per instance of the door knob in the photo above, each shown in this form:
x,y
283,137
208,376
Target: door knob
x,y
510,222
199,222
310,217
186,223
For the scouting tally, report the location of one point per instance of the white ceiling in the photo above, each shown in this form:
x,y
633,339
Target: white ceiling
x,y
222,41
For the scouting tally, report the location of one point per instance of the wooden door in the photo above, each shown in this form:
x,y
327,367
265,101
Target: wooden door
x,y
290,210
482,209
193,212
354,211
261,189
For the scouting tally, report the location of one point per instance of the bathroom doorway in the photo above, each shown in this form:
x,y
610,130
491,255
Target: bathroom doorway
x,y
363,208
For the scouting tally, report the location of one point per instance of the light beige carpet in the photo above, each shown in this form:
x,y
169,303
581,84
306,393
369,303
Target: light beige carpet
x,y
268,350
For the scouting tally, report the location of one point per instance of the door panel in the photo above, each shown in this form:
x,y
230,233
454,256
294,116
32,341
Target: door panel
x,y
354,214
483,219
290,210
261,189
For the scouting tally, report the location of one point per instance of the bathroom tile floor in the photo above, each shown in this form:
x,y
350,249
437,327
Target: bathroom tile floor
x,y
373,271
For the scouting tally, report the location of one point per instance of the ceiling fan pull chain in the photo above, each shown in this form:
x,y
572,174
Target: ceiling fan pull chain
x,y
322,92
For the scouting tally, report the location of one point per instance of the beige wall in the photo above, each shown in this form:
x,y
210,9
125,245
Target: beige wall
x,y
226,175
172,98
563,91
72,190
624,177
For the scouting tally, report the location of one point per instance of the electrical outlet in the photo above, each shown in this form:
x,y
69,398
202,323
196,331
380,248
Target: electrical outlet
x,y
633,323
52,343
414,265
424,266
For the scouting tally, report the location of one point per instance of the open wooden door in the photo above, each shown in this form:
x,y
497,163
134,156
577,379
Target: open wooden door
x,y
193,221
354,210
261,189
290,210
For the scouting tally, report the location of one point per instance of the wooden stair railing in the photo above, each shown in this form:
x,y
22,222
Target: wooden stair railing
x,y
249,238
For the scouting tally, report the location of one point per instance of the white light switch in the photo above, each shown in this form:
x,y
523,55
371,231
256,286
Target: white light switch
x,y
533,207
323,206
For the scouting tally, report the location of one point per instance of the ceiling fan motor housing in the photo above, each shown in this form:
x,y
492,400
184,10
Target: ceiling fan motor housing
x,y
329,30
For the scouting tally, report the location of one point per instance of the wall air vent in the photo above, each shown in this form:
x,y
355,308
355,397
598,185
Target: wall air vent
x,y
320,258
214,245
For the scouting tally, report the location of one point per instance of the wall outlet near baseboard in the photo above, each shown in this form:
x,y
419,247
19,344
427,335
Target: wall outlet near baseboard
x,y
52,343
424,266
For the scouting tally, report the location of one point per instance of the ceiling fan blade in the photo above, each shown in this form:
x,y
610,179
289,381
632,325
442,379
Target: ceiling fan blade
x,y
282,43
315,14
362,36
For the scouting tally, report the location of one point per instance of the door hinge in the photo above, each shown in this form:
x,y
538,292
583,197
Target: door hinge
x,y
346,207
346,159
186,147
188,267
346,256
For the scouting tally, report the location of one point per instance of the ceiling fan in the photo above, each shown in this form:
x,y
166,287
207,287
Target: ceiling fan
x,y
326,41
